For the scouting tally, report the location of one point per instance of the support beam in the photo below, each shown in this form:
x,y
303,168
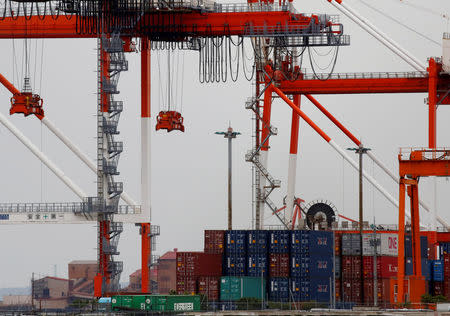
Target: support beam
x,y
264,154
335,146
292,168
8,85
370,154
401,243
145,129
145,257
145,164
432,102
42,157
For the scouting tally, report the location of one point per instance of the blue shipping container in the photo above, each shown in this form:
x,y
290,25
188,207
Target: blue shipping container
x,y
423,246
320,289
279,241
235,241
279,289
312,266
257,241
311,241
257,265
300,288
235,265
425,267
437,270
444,248
408,266
311,289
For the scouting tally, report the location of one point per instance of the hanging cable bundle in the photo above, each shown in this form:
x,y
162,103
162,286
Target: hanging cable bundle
x,y
170,119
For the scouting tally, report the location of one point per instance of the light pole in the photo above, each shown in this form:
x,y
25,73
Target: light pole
x,y
361,150
230,134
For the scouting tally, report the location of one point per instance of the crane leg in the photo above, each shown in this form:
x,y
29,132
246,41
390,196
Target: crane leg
x,y
292,163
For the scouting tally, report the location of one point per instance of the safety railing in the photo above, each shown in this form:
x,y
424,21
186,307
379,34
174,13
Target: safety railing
x,y
441,153
74,207
367,75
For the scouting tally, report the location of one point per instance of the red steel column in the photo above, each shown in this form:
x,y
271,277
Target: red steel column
x,y
146,253
415,225
145,163
265,133
401,242
432,102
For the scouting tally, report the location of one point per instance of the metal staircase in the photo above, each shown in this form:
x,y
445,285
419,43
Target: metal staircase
x,y
110,56
262,194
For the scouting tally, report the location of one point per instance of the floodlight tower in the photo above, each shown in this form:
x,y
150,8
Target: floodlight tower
x,y
229,134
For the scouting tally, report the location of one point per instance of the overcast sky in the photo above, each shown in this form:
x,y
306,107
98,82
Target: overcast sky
x,y
189,170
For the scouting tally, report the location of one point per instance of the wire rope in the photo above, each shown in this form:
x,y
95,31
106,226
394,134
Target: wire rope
x,y
398,22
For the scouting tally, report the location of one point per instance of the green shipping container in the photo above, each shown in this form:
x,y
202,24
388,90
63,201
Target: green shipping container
x,y
176,303
235,288
131,302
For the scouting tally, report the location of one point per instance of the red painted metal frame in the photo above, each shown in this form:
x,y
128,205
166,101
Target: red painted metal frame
x,y
295,127
196,23
145,257
410,170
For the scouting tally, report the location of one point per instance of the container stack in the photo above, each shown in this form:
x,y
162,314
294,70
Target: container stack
x,y
257,256
190,266
312,265
442,287
279,271
351,268
338,266
387,266
235,259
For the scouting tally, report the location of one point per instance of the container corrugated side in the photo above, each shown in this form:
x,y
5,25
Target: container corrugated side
x,y
279,241
257,264
257,241
214,241
279,265
279,289
236,241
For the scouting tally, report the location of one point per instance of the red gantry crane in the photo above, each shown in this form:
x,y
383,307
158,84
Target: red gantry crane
x,y
279,37
209,27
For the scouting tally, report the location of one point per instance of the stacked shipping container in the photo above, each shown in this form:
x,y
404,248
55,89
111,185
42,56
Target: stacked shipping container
x,y
190,266
279,265
386,246
311,265
299,265
351,281
235,260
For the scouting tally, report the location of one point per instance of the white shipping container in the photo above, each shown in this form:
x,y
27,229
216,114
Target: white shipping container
x,y
387,245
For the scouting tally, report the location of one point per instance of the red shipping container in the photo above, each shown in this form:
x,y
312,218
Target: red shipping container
x,y
197,264
351,290
383,291
338,288
209,286
337,243
186,285
214,241
351,267
446,259
387,267
279,265
447,288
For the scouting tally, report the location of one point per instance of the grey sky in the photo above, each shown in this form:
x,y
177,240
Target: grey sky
x,y
189,170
